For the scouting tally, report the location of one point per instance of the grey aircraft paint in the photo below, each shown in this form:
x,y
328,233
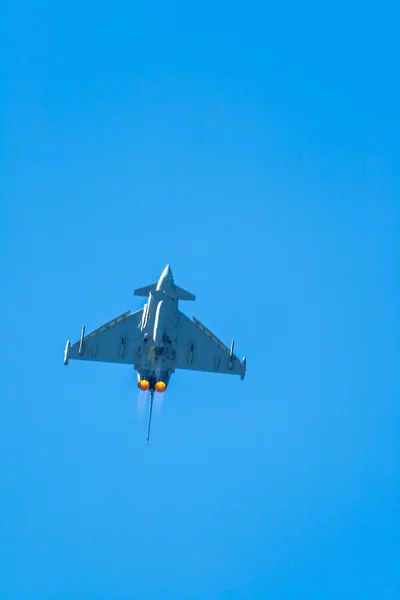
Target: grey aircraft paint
x,y
156,340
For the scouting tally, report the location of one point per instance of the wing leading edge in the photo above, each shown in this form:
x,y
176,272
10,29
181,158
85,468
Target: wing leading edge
x,y
113,342
198,349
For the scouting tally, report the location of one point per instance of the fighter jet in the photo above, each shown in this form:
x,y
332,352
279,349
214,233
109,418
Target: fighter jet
x,y
157,340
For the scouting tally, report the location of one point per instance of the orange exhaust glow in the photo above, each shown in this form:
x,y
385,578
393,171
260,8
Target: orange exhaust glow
x,y
144,385
160,386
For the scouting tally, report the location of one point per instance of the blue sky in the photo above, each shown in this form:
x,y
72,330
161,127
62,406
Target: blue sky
x,y
255,149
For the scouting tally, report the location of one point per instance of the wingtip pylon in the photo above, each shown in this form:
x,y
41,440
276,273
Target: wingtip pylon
x,y
243,368
66,352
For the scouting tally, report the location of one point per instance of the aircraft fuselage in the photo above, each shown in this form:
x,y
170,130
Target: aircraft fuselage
x,y
156,353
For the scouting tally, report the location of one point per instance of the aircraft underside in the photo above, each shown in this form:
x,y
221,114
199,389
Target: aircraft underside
x,y
157,340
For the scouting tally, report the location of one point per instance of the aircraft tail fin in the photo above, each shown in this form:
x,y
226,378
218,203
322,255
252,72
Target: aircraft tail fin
x,y
178,293
150,411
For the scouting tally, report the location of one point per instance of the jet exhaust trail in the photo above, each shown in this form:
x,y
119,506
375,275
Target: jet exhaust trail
x,y
141,402
159,401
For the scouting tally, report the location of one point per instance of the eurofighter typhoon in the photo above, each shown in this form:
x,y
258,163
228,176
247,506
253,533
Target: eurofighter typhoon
x,y
157,340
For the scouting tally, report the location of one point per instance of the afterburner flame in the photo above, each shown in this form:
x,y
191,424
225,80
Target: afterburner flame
x,y
160,386
144,385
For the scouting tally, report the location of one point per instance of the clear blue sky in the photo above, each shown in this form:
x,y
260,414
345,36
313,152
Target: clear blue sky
x,y
255,149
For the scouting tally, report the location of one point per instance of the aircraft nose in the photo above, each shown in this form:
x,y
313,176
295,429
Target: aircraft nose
x,y
166,280
168,272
